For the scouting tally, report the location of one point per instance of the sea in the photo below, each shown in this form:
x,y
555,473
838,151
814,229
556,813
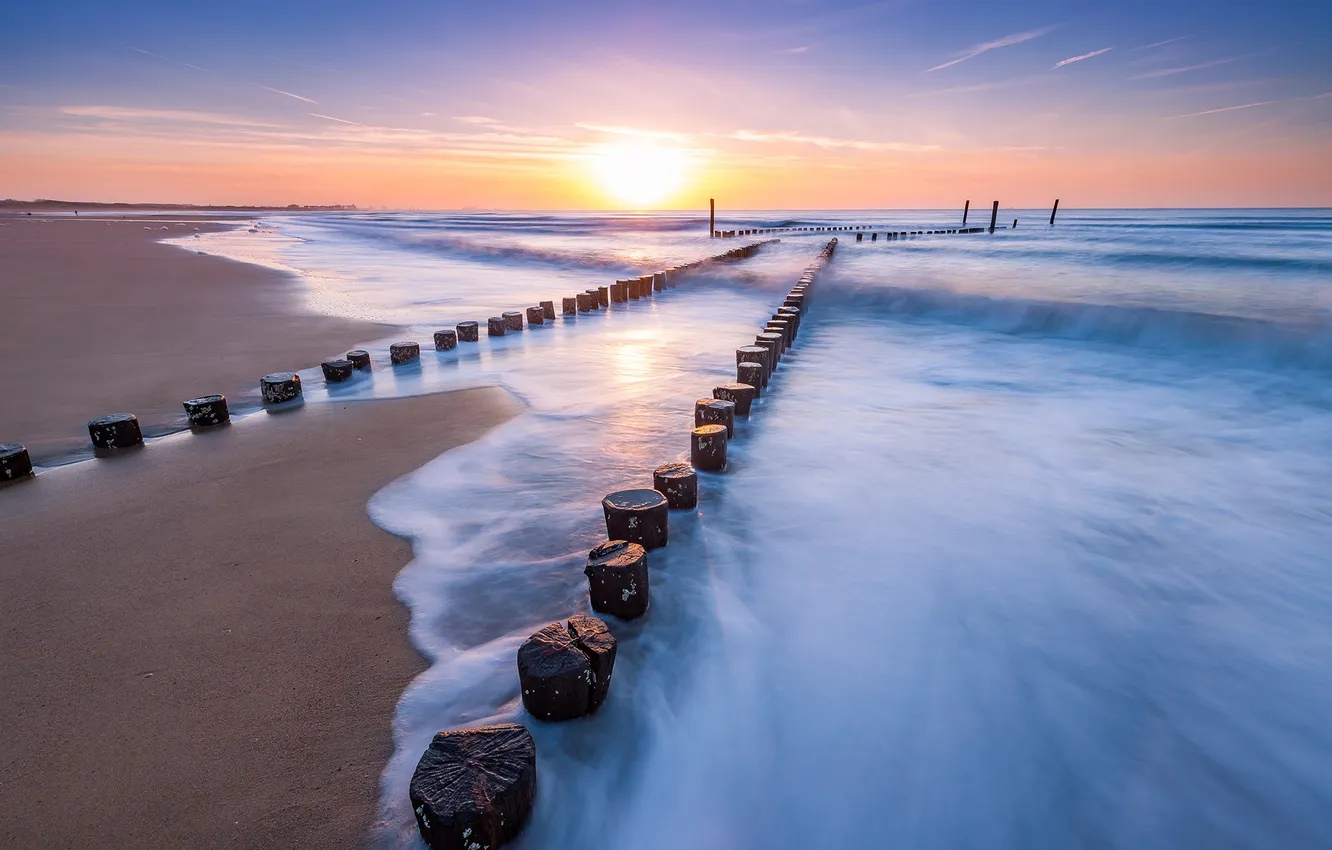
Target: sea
x,y
1027,545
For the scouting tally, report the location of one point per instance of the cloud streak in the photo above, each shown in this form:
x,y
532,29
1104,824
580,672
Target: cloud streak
x,y
331,118
169,59
1160,43
1166,72
825,141
986,47
1322,96
1072,59
287,93
182,116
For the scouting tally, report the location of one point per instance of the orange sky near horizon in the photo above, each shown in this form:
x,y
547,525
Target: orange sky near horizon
x,y
915,180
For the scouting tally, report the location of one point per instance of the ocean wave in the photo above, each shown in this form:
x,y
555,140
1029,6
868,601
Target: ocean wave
x,y
1257,342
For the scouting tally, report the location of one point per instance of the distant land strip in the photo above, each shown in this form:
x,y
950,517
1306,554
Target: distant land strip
x,y
47,204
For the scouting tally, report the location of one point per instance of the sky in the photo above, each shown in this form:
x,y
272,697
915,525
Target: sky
x,y
785,104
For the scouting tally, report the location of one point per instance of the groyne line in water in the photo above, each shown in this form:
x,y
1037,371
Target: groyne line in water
x,y
283,391
889,235
476,787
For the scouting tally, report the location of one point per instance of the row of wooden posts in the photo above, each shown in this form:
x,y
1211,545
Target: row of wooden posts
x,y
859,229
122,430
475,787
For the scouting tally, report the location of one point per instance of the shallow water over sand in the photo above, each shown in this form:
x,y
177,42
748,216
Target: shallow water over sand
x,y
1026,546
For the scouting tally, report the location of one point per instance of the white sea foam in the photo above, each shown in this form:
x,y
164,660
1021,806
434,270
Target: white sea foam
x,y
978,575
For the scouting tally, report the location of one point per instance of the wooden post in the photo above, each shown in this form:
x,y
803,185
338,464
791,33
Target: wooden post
x,y
712,217
1053,211
994,215
966,208
1014,227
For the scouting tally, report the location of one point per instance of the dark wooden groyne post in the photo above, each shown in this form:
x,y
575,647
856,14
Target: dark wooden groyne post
x,y
1053,211
966,208
994,215
712,217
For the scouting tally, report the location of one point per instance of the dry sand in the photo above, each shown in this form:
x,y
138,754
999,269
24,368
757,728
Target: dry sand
x,y
199,639
199,645
98,317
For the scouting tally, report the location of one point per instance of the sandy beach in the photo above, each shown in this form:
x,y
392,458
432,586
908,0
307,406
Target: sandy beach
x,y
200,639
105,319
201,644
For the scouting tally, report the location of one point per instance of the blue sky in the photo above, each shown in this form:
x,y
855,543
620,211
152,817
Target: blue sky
x,y
1210,102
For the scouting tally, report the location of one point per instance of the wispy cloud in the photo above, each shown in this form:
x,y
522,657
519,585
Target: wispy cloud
x,y
1322,96
975,87
474,119
1006,41
632,131
287,93
331,118
1160,43
1070,60
825,141
183,116
804,48
169,59
1166,72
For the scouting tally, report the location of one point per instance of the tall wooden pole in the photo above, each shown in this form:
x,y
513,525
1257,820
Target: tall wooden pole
x,y
994,215
712,217
965,209
1053,211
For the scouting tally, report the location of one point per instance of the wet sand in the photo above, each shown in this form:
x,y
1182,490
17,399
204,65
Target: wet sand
x,y
201,646
98,317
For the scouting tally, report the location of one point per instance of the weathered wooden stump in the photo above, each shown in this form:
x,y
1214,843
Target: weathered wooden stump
x,y
638,516
565,670
740,394
715,410
793,326
15,463
513,320
115,431
277,387
619,291
645,284
755,354
336,371
792,313
359,358
494,326
659,281
404,352
208,410
594,638
707,447
535,316
584,302
548,310
603,296
773,341
474,788
569,306
469,331
678,482
751,373
593,298
446,340
783,327
617,579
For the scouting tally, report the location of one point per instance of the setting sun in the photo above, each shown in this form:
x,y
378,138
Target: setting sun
x,y
639,174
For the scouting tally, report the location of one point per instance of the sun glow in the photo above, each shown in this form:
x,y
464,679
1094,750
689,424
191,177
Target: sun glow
x,y
640,174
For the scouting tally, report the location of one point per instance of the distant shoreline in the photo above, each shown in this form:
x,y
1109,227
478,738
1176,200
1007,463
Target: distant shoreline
x,y
47,204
